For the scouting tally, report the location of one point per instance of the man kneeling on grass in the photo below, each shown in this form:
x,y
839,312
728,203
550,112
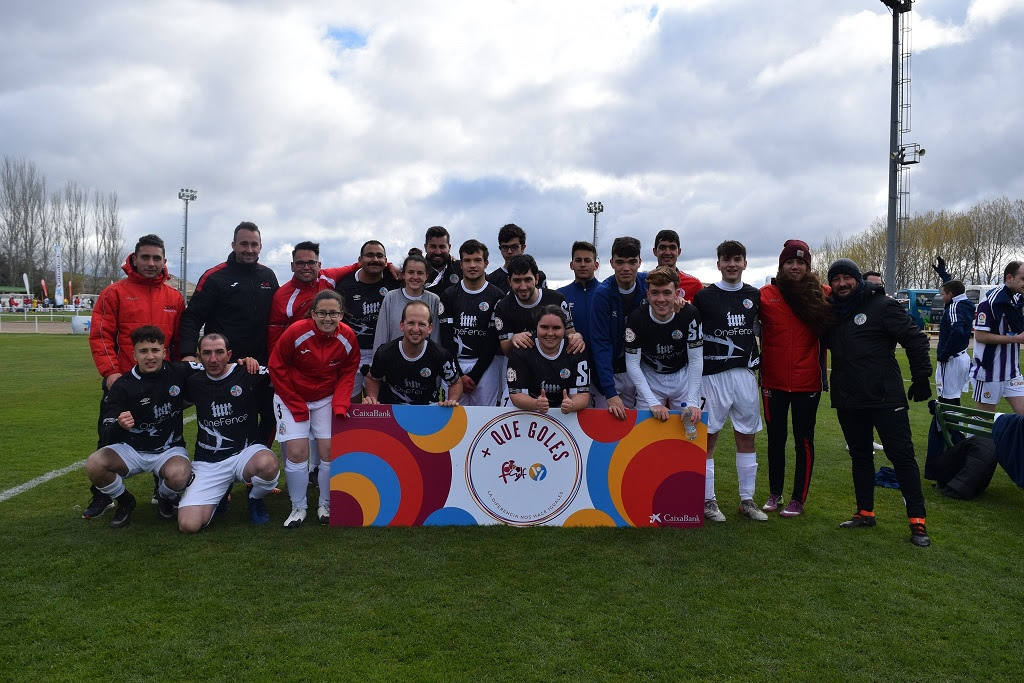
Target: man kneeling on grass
x,y
141,426
227,412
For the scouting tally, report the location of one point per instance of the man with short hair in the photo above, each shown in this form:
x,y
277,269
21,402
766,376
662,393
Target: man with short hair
x,y
867,389
998,332
729,312
142,431
226,399
233,298
874,277
667,250
413,370
614,300
444,271
511,243
467,327
953,366
578,293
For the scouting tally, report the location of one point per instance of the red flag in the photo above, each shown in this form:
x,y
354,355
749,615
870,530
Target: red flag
x,y
43,283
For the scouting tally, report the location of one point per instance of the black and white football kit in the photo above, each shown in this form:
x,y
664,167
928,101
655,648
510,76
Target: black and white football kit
x,y
468,334
413,381
440,280
530,370
511,316
362,308
664,359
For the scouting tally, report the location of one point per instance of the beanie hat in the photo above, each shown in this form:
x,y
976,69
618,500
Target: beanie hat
x,y
795,249
847,267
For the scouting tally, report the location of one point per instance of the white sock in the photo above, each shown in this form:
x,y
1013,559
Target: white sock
x,y
261,487
296,475
314,454
709,480
746,472
114,488
324,479
167,492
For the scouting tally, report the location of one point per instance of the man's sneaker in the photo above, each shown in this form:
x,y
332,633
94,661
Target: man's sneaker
x,y
166,508
918,535
712,512
99,504
123,512
794,509
774,501
296,518
258,511
748,508
323,513
314,477
858,520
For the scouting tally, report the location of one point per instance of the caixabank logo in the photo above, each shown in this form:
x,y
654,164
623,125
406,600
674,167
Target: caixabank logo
x,y
523,468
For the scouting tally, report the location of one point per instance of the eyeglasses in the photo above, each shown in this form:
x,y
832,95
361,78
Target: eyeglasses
x,y
515,246
333,315
304,264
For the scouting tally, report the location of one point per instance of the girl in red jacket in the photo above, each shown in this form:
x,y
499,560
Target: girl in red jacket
x,y
313,367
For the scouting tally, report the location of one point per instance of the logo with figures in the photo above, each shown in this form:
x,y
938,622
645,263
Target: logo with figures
x,y
174,390
523,468
860,319
383,291
425,372
484,306
564,373
748,304
236,391
677,334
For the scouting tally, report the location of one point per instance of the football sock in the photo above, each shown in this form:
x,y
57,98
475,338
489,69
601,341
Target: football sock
x,y
261,487
324,479
296,475
709,480
167,492
114,488
314,454
746,472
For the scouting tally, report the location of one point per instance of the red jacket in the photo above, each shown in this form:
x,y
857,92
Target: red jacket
x,y
292,300
125,305
790,355
688,285
307,365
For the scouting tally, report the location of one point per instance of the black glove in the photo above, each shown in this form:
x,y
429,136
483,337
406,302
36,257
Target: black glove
x,y
920,389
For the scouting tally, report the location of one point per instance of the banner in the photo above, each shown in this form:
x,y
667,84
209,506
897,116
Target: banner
x,y
58,271
428,465
42,282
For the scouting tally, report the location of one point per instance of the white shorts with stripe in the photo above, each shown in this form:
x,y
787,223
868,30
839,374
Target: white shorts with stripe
x,y
953,376
318,426
991,392
732,394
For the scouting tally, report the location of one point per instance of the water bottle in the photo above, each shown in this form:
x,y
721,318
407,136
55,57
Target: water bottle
x,y
689,426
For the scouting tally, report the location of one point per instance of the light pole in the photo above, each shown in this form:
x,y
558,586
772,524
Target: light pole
x,y
595,208
186,195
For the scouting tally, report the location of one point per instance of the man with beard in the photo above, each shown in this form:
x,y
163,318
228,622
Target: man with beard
x,y
867,389
444,271
794,313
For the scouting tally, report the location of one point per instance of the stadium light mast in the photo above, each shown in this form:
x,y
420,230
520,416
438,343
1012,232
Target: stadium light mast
x,y
186,195
595,208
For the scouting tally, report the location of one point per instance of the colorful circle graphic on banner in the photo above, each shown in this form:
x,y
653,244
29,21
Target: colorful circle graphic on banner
x,y
436,430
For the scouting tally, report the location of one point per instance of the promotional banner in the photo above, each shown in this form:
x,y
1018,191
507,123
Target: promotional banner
x,y
428,465
43,285
24,278
58,271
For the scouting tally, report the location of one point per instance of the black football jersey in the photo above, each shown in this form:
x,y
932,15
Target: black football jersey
x,y
529,371
440,280
511,317
731,323
412,381
362,304
467,325
662,345
156,402
499,278
227,411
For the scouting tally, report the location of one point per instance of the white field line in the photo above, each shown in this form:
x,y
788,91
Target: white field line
x,y
42,479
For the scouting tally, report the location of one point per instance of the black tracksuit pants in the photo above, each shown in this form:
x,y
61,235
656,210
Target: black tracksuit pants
x,y
804,405
893,427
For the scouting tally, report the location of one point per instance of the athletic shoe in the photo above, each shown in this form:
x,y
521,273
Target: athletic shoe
x,y
794,509
296,518
919,536
712,512
858,520
123,513
258,511
314,477
774,501
323,513
166,508
748,508
99,504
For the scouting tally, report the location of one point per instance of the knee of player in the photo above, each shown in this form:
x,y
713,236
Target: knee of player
x,y
99,461
176,472
266,465
189,524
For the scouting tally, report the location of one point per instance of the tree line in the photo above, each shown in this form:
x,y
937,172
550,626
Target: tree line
x,y
34,218
976,243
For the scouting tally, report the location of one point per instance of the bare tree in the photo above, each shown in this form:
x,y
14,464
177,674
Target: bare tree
x,y
22,217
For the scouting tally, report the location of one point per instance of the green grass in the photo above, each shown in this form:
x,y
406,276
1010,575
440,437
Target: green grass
x,y
788,599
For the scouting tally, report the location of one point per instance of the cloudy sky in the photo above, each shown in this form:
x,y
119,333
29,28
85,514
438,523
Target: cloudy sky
x,y
757,120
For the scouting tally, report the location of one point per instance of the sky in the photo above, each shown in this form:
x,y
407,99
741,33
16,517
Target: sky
x,y
345,121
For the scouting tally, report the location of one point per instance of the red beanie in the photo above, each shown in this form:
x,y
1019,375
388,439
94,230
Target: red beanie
x,y
795,249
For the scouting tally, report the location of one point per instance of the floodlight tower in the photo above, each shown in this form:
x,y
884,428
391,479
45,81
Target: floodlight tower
x,y
186,195
595,208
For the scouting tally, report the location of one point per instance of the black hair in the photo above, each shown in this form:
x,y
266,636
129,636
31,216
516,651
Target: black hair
x,y
307,246
150,241
148,333
511,231
730,248
245,225
473,247
521,265
666,235
626,247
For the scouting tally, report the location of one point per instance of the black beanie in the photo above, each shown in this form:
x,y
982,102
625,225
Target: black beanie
x,y
845,266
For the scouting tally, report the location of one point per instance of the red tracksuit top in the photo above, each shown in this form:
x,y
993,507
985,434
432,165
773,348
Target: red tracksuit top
x,y
790,357
292,300
307,365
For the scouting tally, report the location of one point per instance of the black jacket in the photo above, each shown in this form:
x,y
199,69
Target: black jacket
x,y
234,299
863,344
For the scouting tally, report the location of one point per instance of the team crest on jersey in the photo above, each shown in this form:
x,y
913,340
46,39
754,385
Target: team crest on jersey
x,y
383,291
860,319
357,297
484,306
174,390
425,372
677,334
498,324
453,278
564,373
748,304
630,335
236,391
510,375
981,318
440,308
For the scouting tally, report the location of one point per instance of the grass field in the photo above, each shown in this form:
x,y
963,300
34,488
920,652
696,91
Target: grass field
x,y
795,599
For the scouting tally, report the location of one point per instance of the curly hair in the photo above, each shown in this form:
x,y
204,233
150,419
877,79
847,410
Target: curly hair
x,y
807,300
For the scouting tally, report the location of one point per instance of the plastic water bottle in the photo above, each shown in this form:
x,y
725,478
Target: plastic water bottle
x,y
689,426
